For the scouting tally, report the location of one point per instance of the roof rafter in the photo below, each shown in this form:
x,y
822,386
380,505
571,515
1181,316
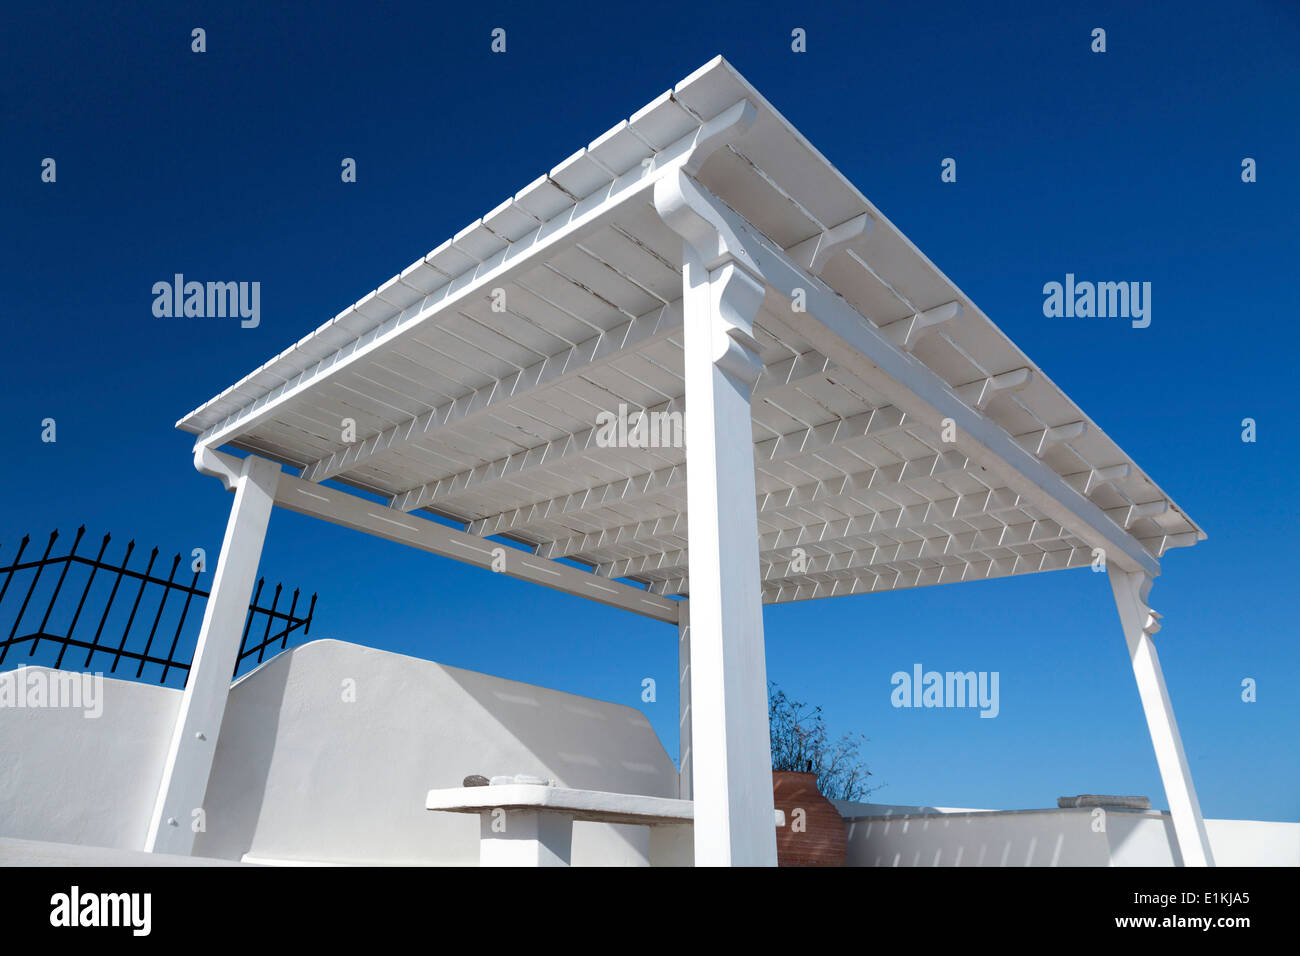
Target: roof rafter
x,y
777,379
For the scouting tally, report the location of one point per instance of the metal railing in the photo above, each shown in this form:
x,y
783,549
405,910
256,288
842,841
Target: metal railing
x,y
138,589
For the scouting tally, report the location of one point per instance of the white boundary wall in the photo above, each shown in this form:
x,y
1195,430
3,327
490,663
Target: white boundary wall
x,y
67,778
300,774
931,836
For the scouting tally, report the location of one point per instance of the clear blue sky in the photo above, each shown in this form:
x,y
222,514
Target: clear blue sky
x,y
1124,165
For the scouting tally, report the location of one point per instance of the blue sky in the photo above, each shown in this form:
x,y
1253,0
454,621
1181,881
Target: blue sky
x,y
1123,166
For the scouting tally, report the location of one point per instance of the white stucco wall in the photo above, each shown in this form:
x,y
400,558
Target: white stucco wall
x,y
302,774
919,836
71,779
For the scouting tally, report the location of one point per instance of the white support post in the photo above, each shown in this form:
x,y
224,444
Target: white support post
x,y
1140,623
525,837
684,700
198,723
732,772
731,759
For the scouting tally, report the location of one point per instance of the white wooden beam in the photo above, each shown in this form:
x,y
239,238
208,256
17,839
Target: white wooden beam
x,y
657,325
350,511
831,325
193,744
791,503
788,447
776,549
854,553
775,501
970,567
572,224
1140,624
779,379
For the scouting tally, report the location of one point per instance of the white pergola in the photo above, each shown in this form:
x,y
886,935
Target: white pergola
x,y
855,425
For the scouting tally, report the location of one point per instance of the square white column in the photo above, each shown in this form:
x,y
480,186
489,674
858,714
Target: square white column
x,y
185,774
731,760
1140,623
525,838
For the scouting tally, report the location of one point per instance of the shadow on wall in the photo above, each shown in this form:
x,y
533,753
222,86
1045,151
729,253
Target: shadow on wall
x,y
586,744
328,750
237,787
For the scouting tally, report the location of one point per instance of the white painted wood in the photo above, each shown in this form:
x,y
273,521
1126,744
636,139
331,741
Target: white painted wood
x,y
813,252
488,416
472,274
1140,623
732,772
836,329
686,758
655,326
585,259
779,383
198,723
732,760
347,510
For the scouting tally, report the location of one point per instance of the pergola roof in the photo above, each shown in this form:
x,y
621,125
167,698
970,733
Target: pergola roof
x,y
489,417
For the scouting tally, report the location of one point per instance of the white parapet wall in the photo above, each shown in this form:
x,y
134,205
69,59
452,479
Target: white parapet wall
x,y
326,755
328,751
1084,836
80,774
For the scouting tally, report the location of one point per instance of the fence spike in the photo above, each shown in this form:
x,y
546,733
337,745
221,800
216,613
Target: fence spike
x,y
4,651
49,608
144,580
112,595
162,603
94,569
119,571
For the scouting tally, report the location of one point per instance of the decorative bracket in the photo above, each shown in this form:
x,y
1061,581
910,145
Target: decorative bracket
x,y
214,465
980,393
1105,476
714,254
718,132
813,253
905,333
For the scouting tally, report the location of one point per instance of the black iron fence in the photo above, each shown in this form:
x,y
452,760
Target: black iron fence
x,y
120,603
